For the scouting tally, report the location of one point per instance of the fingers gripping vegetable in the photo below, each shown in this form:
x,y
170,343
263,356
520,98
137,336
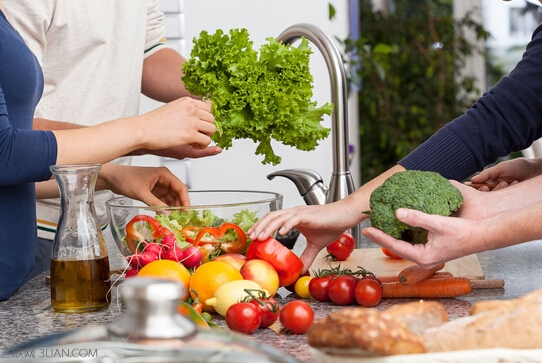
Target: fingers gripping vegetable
x,y
284,261
235,243
144,228
342,247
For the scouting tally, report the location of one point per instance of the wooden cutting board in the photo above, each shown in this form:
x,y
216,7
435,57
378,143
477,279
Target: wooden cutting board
x,y
372,259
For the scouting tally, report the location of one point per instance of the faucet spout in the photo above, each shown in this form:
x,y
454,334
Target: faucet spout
x,y
341,184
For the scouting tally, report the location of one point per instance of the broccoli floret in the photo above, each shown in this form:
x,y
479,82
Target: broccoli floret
x,y
425,191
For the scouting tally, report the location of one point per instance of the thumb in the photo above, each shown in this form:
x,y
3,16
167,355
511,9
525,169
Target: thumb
x,y
308,255
412,217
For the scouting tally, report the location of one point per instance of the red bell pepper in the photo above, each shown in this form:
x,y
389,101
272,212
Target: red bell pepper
x,y
237,246
285,262
134,237
189,233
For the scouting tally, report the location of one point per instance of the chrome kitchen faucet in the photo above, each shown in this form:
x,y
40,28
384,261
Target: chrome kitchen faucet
x,y
309,183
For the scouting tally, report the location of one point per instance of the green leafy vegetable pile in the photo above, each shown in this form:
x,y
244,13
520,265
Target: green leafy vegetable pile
x,y
259,97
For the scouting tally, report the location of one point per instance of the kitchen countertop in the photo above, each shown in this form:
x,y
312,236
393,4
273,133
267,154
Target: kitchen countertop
x,y
28,314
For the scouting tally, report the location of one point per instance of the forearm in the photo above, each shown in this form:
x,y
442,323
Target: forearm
x,y
101,143
515,197
43,124
508,229
162,76
47,189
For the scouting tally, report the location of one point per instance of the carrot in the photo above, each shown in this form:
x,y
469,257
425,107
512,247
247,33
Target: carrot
x,y
388,278
413,274
395,278
428,289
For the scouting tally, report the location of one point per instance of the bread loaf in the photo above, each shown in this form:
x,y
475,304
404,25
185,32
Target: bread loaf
x,y
419,316
366,330
512,324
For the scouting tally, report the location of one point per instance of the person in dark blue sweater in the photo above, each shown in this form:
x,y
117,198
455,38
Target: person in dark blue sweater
x,y
26,154
508,118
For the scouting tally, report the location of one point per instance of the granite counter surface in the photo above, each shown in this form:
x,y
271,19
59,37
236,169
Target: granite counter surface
x,y
28,314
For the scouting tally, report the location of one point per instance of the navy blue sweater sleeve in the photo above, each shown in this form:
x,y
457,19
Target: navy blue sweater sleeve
x,y
25,155
508,118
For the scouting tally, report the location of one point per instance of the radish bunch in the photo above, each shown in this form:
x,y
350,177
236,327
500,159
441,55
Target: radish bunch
x,y
167,249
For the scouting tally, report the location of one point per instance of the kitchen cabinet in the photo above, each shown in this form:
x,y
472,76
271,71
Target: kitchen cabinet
x,y
239,167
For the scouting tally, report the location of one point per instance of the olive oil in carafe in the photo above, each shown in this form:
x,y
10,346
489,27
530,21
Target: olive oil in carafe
x,y
80,285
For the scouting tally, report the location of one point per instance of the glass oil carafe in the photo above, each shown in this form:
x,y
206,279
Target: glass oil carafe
x,y
80,277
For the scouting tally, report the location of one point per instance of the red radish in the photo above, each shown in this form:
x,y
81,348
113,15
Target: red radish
x,y
133,260
154,248
147,257
174,254
169,241
192,257
131,272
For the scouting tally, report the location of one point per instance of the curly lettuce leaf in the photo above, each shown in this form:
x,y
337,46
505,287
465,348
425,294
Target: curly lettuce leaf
x,y
262,97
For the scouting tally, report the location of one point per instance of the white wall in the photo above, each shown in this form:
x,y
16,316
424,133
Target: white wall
x,y
239,167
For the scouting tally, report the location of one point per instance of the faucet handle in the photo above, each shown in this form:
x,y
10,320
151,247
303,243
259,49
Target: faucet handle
x,y
308,182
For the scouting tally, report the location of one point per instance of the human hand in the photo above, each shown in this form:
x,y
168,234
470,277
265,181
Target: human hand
x,y
183,122
448,238
320,224
187,151
154,186
506,173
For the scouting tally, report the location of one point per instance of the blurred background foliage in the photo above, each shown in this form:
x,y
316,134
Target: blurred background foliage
x,y
405,63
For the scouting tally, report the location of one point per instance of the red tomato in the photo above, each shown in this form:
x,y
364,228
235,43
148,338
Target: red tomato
x,y
269,310
390,254
368,291
319,287
341,290
296,316
342,247
243,317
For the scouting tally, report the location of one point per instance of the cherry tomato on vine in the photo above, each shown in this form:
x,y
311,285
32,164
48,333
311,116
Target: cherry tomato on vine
x,y
390,254
368,291
341,290
269,310
296,316
243,317
342,247
319,287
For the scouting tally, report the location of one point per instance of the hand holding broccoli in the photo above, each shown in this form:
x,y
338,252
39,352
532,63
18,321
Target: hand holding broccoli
x,y
425,191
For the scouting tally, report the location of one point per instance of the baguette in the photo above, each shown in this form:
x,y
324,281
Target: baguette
x,y
365,331
418,316
515,324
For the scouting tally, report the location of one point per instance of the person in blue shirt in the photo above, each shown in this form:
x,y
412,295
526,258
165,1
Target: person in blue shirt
x,y
27,154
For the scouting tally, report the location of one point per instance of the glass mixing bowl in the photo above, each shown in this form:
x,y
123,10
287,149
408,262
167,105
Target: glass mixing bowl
x,y
209,208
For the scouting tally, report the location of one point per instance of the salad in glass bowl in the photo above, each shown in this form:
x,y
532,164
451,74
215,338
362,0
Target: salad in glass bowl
x,y
215,223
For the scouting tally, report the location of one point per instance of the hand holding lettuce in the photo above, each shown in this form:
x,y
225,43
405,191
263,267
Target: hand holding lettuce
x,y
257,96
